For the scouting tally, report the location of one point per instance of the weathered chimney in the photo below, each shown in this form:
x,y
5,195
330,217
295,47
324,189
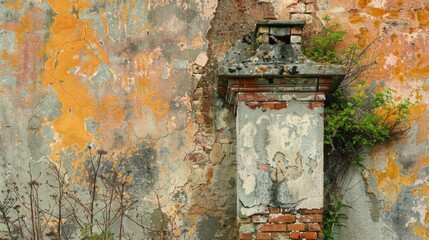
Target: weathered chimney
x,y
278,95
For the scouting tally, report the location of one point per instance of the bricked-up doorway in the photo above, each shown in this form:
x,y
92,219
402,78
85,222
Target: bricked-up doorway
x,y
278,95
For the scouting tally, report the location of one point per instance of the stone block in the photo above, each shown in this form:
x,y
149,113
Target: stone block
x,y
283,31
310,8
263,38
262,30
247,212
295,39
297,8
259,219
247,228
217,154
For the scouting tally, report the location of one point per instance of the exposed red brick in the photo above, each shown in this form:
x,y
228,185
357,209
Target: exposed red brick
x,y
315,218
282,218
245,220
314,227
313,105
274,210
273,228
294,235
313,211
281,105
246,236
308,235
252,97
263,236
253,105
246,81
268,105
296,31
259,219
325,81
296,227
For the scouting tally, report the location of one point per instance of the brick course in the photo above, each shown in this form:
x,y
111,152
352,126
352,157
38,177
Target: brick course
x,y
285,223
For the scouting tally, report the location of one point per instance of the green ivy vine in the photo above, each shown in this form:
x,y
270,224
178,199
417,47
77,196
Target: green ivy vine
x,y
357,117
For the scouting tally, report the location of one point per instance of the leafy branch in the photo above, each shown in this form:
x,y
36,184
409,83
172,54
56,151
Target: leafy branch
x,y
357,117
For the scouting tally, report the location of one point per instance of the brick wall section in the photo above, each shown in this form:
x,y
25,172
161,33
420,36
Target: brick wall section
x,y
281,223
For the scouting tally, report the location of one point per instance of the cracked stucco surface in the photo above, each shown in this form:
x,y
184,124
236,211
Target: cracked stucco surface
x,y
136,77
280,156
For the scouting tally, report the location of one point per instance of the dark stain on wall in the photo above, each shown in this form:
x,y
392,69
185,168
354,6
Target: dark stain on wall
x,y
142,164
208,227
399,214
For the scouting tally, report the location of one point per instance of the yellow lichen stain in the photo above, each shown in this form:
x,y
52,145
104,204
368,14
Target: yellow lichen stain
x,y
16,5
422,18
421,231
390,181
364,37
67,6
4,54
425,88
72,45
156,103
419,112
356,17
153,80
378,12
363,3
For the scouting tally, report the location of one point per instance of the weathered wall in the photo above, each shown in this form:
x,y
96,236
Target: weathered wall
x,y
134,78
390,198
137,77
279,157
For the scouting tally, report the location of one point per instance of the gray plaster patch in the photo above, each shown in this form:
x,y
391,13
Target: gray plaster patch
x,y
180,64
401,212
102,75
290,142
207,227
91,126
38,143
48,105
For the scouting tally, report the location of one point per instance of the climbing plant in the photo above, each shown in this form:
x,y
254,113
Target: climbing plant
x,y
357,117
